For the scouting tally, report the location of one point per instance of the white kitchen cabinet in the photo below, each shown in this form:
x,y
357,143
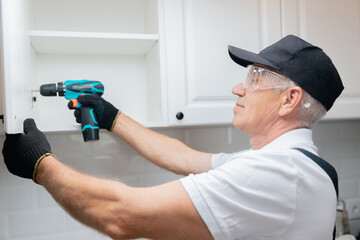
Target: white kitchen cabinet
x,y
201,74
158,58
114,41
335,27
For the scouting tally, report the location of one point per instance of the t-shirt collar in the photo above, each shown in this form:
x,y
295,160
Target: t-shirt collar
x,y
301,138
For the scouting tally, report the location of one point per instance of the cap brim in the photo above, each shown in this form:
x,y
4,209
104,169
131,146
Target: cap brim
x,y
246,58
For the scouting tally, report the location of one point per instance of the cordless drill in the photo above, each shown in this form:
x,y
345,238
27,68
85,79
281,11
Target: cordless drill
x,y
71,89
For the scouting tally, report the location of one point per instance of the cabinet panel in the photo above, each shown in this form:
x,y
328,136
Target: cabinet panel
x,y
16,63
1,95
114,72
125,16
335,27
2,129
201,74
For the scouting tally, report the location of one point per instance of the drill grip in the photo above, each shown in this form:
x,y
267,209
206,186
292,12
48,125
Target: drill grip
x,y
89,124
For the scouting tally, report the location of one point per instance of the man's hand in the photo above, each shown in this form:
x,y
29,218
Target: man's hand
x,y
106,113
23,152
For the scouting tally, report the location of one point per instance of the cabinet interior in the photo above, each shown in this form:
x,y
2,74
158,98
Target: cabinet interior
x,y
113,41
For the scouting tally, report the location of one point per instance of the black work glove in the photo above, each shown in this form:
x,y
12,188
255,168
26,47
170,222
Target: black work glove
x,y
105,112
23,152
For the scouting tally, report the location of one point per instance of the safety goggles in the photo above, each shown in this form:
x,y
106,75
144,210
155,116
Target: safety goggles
x,y
262,78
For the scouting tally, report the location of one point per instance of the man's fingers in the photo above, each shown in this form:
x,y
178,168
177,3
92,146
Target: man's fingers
x,y
12,136
71,105
29,125
77,114
11,139
88,100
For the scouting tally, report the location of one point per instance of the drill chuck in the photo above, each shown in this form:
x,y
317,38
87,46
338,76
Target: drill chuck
x,y
52,89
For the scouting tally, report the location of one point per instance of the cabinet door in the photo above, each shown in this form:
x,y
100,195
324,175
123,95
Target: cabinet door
x,y
335,27
1,95
16,64
200,73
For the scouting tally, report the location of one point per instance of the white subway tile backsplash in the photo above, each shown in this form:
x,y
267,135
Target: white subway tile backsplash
x,y
66,143
83,235
326,131
350,130
17,181
27,238
36,222
240,138
157,179
350,168
109,144
28,212
348,188
354,227
357,149
208,139
3,227
77,162
131,180
137,165
178,133
3,173
99,236
353,208
337,150
121,165
74,225
17,198
101,166
44,199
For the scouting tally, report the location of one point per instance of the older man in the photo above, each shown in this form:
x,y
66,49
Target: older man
x,y
278,189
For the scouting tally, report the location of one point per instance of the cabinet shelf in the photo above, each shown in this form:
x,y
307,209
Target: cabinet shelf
x,y
59,42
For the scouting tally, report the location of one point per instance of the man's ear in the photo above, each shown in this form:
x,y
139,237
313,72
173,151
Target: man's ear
x,y
290,99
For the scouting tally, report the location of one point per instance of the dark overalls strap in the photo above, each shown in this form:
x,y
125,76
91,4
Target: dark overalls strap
x,y
328,168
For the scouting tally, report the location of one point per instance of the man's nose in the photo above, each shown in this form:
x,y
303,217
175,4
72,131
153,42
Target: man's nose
x,y
239,90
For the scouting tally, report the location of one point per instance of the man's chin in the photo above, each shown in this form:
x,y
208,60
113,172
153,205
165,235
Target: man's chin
x,y
236,124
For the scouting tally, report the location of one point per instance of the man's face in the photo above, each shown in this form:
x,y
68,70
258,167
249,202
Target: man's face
x,y
256,110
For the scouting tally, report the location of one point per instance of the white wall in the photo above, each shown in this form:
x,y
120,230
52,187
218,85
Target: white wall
x,y
27,212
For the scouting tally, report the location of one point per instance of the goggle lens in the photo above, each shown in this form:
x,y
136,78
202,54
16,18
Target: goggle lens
x,y
262,78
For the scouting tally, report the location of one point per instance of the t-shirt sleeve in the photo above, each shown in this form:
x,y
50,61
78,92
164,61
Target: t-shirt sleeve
x,y
242,197
220,159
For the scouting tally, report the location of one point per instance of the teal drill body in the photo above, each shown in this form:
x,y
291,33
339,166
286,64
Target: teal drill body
x,y
71,89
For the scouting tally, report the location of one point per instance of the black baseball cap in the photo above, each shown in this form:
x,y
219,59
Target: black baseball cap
x,y
302,62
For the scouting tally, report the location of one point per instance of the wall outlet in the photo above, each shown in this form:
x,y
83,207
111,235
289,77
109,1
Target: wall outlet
x,y
353,208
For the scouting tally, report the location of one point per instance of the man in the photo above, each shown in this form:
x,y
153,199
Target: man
x,y
271,191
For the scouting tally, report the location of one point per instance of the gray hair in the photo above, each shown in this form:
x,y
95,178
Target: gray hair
x,y
310,111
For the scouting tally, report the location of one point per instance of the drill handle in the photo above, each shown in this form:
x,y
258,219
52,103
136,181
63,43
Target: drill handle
x,y
89,124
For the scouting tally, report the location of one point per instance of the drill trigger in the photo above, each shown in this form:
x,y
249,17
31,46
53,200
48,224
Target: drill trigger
x,y
75,103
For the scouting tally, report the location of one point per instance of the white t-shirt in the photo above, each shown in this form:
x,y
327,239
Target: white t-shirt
x,y
273,193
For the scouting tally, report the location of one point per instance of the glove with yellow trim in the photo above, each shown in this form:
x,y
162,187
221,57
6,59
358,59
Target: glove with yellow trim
x,y
23,152
106,113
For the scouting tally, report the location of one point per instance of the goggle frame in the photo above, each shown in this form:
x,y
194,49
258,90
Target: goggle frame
x,y
258,77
